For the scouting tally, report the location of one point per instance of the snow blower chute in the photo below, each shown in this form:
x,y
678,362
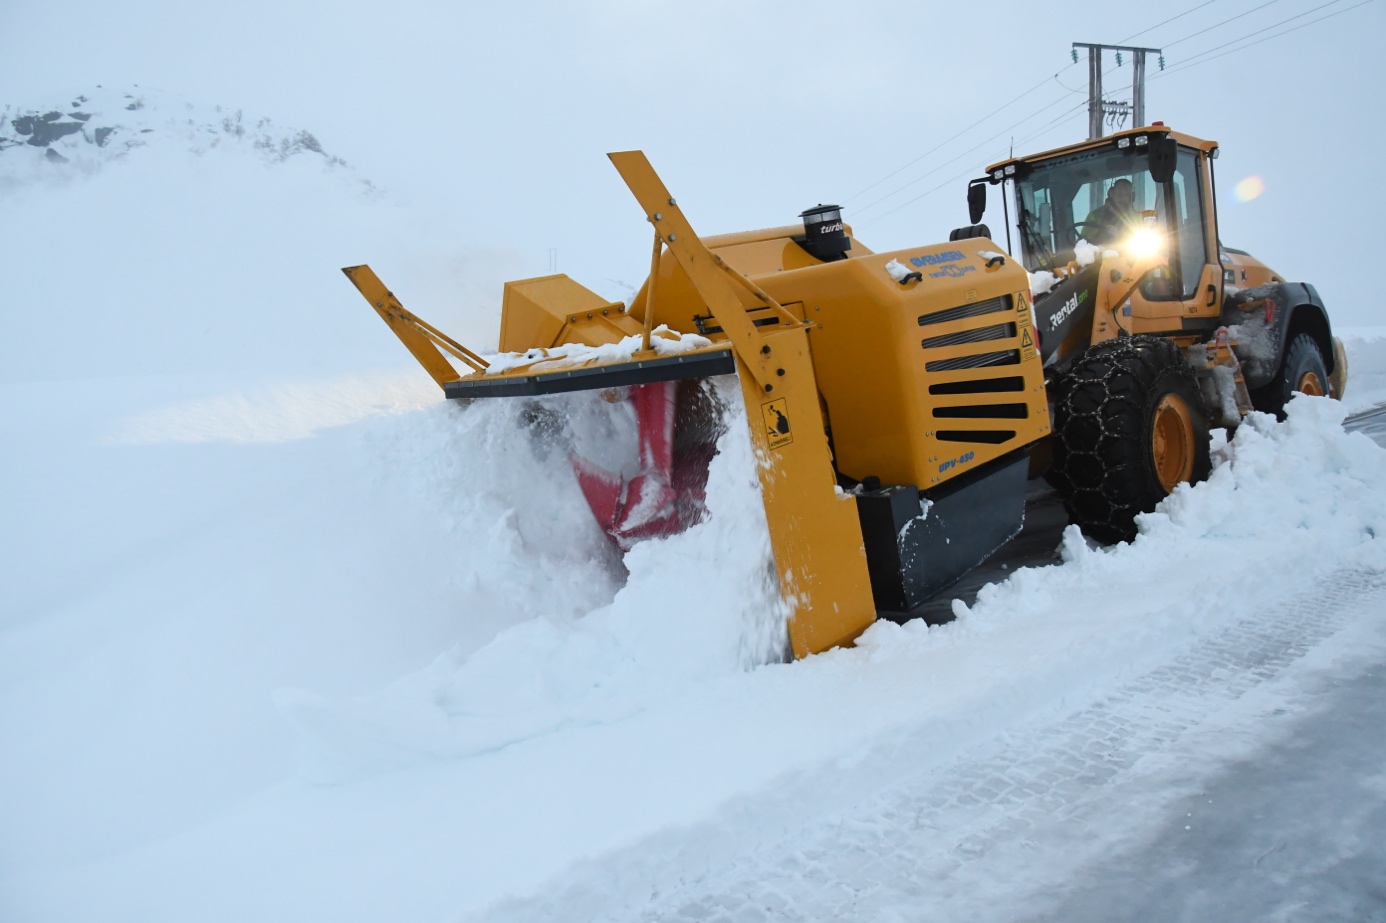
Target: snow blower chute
x,y
892,398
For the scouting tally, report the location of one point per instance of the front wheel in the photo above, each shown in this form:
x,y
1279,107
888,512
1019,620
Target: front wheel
x,y
1302,371
1129,426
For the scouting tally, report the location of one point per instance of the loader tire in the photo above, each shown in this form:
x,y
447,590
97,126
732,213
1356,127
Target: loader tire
x,y
1129,426
1301,370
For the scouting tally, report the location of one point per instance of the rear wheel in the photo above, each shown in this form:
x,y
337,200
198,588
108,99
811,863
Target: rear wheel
x,y
1129,426
1302,370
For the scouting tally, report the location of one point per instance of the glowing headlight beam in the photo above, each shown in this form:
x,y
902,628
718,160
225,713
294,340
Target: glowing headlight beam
x,y
1144,243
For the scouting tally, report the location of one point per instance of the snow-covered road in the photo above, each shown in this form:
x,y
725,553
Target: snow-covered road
x,y
1244,780
1292,831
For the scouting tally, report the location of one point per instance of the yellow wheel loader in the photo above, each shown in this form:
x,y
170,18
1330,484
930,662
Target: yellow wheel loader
x,y
898,401
1150,328
893,399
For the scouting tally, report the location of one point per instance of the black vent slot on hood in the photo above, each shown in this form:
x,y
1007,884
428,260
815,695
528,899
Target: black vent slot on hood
x,y
975,335
976,309
979,361
984,436
984,412
980,386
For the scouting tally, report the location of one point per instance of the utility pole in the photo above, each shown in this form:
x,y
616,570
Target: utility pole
x,y
1115,112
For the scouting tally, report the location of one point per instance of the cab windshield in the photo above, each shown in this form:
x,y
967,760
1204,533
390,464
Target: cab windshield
x,y
1102,196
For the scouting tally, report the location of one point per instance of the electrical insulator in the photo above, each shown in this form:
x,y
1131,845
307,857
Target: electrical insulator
x,y
1162,62
1118,59
1074,52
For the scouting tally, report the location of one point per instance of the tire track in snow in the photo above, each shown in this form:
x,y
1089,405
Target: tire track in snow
x,y
987,834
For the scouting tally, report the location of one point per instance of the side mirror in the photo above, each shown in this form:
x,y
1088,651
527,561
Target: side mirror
x,y
1163,151
977,201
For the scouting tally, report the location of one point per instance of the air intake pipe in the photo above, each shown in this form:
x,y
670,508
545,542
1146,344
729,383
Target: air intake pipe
x,y
825,237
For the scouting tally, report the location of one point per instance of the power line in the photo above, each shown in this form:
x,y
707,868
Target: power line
x,y
951,180
963,154
1218,25
1013,101
1066,86
1063,115
956,136
953,160
1166,22
948,182
1195,62
1205,55
1069,113
1055,121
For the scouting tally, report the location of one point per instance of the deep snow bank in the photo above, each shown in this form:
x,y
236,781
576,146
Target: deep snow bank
x,y
623,781
1291,507
1275,487
1366,349
695,606
1285,502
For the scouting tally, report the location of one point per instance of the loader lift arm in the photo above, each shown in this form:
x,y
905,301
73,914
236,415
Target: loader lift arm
x,y
815,532
707,271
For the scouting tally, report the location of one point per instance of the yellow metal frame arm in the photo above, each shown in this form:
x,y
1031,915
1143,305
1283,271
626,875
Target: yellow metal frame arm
x,y
745,282
421,338
701,265
650,292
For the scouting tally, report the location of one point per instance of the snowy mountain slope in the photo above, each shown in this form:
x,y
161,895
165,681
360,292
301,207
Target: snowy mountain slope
x,y
285,636
182,246
51,144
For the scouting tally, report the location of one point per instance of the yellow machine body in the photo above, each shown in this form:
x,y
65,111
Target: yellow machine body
x,y
890,360
918,374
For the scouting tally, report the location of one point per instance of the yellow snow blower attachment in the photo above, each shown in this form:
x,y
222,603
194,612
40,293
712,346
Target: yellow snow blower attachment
x,y
892,398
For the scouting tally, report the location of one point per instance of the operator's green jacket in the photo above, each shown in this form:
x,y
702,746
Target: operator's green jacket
x,y
1107,223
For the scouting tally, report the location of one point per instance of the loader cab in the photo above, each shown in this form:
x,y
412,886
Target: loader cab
x,y
1063,218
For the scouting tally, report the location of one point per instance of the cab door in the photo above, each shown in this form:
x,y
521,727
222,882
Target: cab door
x,y
1189,286
1190,218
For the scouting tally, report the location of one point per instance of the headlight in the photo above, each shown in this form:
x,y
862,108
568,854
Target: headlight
x,y
1144,243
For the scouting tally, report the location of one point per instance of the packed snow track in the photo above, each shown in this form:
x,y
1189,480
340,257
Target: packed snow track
x,y
1011,829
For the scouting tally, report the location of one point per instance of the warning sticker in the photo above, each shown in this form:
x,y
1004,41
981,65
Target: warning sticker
x,y
777,423
1027,344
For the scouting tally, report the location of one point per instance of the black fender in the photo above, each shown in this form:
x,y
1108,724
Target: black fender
x,y
1267,319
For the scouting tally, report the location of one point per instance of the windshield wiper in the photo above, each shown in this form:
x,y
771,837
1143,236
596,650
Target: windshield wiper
x,y
1033,240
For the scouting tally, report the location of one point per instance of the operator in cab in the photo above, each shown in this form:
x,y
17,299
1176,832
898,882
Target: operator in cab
x,y
1115,218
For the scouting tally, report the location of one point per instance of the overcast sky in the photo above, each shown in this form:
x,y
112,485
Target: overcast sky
x,y
499,115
